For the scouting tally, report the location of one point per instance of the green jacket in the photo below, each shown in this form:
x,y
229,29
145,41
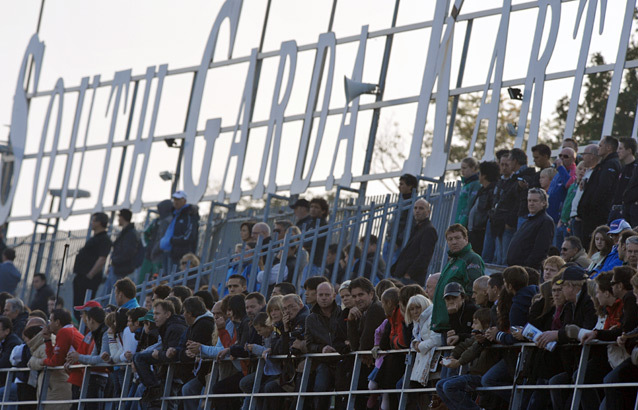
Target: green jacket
x,y
469,189
567,203
463,267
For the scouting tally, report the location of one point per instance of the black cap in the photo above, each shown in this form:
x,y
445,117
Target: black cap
x,y
301,202
453,289
572,273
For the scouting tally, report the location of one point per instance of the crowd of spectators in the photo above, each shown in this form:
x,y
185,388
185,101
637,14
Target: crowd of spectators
x,y
562,234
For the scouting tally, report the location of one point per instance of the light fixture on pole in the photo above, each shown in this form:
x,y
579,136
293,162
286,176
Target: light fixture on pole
x,y
166,175
355,88
515,93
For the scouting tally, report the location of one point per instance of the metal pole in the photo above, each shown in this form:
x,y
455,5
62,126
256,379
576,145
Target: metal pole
x,y
374,125
455,101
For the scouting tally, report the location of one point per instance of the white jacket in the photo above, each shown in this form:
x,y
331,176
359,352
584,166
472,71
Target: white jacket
x,y
428,341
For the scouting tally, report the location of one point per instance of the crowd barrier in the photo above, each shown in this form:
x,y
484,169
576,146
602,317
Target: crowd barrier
x,y
119,403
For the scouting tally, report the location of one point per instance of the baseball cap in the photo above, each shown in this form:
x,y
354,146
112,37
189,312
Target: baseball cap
x,y
179,195
148,317
453,289
301,202
88,305
572,273
617,226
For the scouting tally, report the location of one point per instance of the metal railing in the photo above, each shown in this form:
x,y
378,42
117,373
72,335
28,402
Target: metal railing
x,y
303,392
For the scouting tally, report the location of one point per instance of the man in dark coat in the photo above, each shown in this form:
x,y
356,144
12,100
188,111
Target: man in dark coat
x,y
171,329
8,340
182,233
325,333
414,259
531,242
43,291
201,326
483,202
124,252
15,310
595,204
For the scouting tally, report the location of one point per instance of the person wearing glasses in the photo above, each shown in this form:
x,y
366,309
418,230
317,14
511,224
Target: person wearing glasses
x,y
532,240
566,168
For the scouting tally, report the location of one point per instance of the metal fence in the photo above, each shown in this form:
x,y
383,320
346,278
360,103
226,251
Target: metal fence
x,y
304,392
349,220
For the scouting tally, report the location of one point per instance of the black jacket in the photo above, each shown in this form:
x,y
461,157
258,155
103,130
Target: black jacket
x,y
626,174
581,314
461,321
6,346
40,300
322,331
171,333
19,323
479,211
531,242
505,210
529,175
361,331
403,221
297,331
414,259
202,332
595,203
186,232
124,251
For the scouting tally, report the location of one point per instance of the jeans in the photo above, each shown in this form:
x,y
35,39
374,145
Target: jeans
x,y
561,233
498,375
12,396
143,362
192,388
456,391
324,381
108,286
95,389
502,245
489,245
619,398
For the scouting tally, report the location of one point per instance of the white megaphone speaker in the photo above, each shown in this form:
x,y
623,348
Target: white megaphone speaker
x,y
355,89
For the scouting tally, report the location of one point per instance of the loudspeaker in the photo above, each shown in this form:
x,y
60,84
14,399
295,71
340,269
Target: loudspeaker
x,y
355,89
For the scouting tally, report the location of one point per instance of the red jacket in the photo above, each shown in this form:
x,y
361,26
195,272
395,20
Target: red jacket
x,y
66,339
397,337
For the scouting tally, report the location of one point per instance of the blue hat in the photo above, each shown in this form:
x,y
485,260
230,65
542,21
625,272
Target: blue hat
x,y
573,272
618,226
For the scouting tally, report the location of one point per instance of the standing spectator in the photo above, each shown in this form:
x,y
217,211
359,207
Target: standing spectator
x,y
630,195
542,157
67,338
42,293
414,259
483,202
154,255
565,176
627,156
564,228
599,247
531,242
505,212
246,231
319,212
572,251
407,184
470,186
171,328
15,310
182,233
525,179
326,332
463,267
595,204
124,255
497,217
590,159
362,322
9,274
90,261
303,220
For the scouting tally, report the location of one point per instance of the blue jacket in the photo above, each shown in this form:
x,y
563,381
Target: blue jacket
x,y
519,312
557,192
611,261
9,277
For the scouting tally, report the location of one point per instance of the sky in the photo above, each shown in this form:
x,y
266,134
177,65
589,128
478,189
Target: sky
x,y
89,38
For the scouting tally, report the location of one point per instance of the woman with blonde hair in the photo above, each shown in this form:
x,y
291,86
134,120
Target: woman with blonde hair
x,y
419,313
275,310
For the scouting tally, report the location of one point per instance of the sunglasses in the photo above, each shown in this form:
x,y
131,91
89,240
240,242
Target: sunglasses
x,y
563,156
565,249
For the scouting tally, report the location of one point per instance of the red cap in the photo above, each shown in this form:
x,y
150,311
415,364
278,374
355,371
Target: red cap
x,y
88,305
